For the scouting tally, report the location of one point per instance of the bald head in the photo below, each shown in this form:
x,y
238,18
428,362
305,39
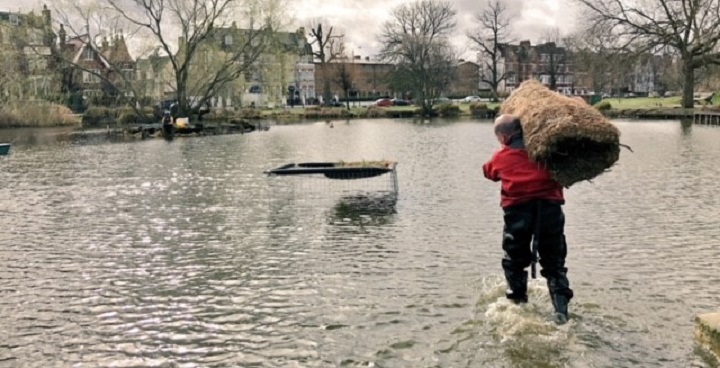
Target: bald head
x,y
507,126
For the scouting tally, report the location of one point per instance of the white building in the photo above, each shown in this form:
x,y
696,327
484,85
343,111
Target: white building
x,y
305,78
486,74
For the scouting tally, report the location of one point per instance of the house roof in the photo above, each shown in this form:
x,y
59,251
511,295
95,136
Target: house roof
x,y
156,62
117,52
80,51
288,40
461,62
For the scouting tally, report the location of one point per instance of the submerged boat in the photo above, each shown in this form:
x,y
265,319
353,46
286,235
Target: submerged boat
x,y
4,149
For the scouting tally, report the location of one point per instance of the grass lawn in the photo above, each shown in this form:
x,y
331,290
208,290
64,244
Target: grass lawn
x,y
643,102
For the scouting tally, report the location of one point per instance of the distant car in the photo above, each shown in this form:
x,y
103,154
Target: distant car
x,y
443,101
400,102
383,102
471,99
334,103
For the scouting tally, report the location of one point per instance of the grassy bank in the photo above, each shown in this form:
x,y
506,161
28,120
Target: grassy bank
x,y
315,112
650,108
42,114
36,115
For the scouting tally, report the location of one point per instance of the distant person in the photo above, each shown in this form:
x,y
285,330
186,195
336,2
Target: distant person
x,y
174,111
531,200
167,118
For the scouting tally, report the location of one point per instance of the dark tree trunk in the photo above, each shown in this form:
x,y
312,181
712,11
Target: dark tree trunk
x,y
688,83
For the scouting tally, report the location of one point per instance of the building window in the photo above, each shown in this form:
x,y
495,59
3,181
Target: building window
x,y
88,54
91,77
544,58
511,78
128,74
14,19
228,40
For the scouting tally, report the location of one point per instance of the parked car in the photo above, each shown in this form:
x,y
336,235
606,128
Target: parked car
x,y
471,99
443,101
383,102
400,102
334,103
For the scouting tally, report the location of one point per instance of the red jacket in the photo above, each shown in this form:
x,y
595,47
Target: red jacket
x,y
522,179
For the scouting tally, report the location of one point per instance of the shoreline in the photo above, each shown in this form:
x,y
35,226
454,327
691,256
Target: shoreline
x,y
303,114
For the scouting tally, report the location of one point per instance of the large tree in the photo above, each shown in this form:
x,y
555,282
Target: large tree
x,y
209,43
97,32
327,44
493,31
416,40
689,27
344,71
594,56
555,57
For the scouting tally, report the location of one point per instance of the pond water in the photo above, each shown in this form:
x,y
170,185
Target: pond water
x,y
184,254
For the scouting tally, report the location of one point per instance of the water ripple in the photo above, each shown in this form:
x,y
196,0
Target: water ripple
x,y
183,254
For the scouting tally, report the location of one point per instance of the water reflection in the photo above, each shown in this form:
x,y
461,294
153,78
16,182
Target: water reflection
x,y
364,210
686,126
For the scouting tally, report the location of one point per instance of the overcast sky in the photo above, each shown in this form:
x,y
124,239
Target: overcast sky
x,y
361,20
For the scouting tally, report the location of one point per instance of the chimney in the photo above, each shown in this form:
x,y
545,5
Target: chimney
x,y
46,15
104,46
62,35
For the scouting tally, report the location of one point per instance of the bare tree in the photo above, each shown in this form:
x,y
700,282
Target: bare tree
x,y
88,35
594,56
492,33
690,27
554,57
326,43
344,72
345,77
416,40
11,80
203,32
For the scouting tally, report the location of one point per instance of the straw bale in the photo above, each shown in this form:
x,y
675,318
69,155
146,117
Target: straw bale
x,y
571,138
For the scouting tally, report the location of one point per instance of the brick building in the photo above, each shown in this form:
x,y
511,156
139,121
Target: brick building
x,y
369,77
543,62
88,62
468,79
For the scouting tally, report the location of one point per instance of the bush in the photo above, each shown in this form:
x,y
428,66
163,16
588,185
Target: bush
x,y
374,112
449,110
478,108
603,105
245,114
36,114
95,115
